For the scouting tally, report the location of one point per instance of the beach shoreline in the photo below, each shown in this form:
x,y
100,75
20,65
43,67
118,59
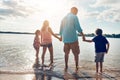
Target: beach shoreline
x,y
86,71
18,56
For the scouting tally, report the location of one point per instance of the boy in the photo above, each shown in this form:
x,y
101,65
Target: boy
x,y
101,47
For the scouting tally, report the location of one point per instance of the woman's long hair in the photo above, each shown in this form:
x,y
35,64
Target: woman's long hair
x,y
45,25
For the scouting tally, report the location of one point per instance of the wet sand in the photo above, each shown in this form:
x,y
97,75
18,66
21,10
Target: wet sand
x,y
86,72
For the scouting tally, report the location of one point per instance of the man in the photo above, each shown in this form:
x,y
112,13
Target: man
x,y
68,32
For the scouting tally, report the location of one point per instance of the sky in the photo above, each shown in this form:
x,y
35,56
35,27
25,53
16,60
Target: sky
x,y
28,15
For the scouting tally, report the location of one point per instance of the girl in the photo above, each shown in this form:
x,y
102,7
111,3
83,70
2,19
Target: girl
x,y
36,45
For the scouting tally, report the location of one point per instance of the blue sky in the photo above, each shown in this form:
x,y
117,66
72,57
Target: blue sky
x,y
28,15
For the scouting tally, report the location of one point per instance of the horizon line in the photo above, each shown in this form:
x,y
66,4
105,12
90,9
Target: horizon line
x,y
18,32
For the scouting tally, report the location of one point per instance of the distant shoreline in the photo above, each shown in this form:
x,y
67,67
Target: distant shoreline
x,y
10,32
88,35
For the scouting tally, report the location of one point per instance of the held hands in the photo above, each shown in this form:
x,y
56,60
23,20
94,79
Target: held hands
x,y
60,38
83,39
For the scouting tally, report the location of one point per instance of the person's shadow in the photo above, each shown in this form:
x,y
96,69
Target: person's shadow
x,y
40,73
39,76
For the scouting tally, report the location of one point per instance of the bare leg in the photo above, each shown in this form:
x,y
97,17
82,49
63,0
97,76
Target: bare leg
x,y
37,52
43,54
51,54
37,60
101,65
76,57
66,61
36,64
97,67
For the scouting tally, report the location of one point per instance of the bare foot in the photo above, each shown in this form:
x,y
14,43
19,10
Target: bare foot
x,y
50,64
97,73
65,69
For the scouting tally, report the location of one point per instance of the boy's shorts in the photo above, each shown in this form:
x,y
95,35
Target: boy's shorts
x,y
99,57
73,46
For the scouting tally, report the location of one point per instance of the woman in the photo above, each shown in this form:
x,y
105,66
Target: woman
x,y
46,40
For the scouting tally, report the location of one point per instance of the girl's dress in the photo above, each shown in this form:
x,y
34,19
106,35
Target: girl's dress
x,y
36,43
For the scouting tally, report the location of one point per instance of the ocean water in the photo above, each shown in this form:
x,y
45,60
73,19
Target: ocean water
x,y
17,52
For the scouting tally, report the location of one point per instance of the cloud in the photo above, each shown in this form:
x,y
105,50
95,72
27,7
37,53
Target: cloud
x,y
110,15
107,3
13,8
110,10
5,12
10,3
1,18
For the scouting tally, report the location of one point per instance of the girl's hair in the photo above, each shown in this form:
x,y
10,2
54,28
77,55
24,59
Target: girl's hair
x,y
45,25
99,31
37,32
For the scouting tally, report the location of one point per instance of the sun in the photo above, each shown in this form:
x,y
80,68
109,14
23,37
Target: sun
x,y
51,10
50,6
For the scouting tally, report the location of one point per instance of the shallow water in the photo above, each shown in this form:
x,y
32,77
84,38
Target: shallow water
x,y
17,52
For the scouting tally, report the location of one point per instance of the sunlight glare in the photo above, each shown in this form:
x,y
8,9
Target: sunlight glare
x,y
51,10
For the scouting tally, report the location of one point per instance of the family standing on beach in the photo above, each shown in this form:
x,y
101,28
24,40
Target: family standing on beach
x,y
69,29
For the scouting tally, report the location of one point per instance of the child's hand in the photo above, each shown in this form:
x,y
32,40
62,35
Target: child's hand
x,y
60,38
84,39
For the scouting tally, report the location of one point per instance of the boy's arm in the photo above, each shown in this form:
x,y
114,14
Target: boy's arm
x,y
107,47
88,40
84,39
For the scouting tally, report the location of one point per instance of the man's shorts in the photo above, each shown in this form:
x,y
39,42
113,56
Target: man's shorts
x,y
73,46
99,57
